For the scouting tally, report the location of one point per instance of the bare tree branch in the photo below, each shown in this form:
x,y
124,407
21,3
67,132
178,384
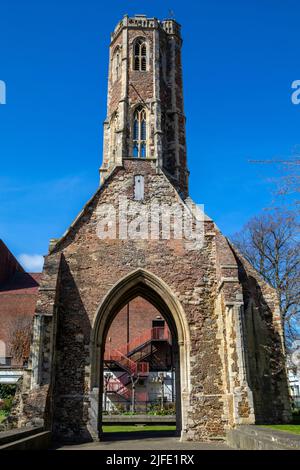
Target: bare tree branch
x,y
20,337
271,243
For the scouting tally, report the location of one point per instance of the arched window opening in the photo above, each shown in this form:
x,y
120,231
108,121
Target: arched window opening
x,y
140,56
126,297
140,133
116,65
113,135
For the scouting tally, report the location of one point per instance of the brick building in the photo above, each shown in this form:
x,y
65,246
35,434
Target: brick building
x,y
224,319
18,296
131,322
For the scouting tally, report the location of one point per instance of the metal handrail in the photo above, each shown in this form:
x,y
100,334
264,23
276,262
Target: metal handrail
x,y
156,333
133,367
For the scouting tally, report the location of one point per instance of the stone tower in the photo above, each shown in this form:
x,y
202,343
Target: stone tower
x,y
145,113
224,319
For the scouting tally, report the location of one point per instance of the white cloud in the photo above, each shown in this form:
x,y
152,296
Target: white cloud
x,y
31,263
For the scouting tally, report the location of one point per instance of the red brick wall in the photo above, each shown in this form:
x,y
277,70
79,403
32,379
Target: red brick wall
x,y
17,306
141,314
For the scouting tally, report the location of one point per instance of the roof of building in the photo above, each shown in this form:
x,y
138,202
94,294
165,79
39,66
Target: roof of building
x,y
21,283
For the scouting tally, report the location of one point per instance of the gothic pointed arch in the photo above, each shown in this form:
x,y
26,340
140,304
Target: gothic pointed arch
x,y
139,132
113,135
116,64
147,285
140,52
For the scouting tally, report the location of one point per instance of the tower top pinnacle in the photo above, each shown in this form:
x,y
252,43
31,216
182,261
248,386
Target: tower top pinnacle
x,y
142,21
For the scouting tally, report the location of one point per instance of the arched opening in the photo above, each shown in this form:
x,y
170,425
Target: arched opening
x,y
113,135
139,132
140,366
140,55
141,285
116,64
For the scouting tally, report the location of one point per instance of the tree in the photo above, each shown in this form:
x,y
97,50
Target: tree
x,y
270,242
288,183
20,337
134,381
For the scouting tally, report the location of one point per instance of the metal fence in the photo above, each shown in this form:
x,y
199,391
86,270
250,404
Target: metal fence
x,y
155,407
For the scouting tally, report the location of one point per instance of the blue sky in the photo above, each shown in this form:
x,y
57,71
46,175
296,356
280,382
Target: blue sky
x,y
239,57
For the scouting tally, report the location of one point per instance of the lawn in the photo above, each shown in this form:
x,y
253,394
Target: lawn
x,y
293,428
137,428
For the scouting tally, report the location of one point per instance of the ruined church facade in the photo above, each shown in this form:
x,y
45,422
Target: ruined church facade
x,y
225,320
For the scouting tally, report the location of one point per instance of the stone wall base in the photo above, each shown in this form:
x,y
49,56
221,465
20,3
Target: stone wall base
x,y
260,438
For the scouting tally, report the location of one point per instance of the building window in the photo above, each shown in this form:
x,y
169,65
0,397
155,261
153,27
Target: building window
x,y
138,188
139,133
116,65
140,55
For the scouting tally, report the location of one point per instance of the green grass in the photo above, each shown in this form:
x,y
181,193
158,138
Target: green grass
x,y
2,416
293,428
137,428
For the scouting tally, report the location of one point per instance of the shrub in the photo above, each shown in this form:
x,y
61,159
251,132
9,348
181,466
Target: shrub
x,y
7,390
296,416
155,409
7,405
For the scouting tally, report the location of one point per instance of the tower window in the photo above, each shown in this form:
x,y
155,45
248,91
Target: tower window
x,y
140,133
113,135
140,55
116,65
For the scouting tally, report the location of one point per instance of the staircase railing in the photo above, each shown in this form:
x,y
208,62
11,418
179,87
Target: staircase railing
x,y
156,333
142,353
115,386
116,356
132,367
120,355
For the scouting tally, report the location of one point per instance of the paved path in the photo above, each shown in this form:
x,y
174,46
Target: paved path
x,y
152,443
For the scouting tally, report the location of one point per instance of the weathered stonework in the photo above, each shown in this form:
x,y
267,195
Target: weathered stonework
x,y
158,88
223,317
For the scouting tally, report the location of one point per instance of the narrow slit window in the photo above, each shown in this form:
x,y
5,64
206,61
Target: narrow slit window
x,y
116,65
113,135
138,188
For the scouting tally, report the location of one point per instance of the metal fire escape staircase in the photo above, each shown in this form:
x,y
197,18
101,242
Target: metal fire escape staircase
x,y
130,358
